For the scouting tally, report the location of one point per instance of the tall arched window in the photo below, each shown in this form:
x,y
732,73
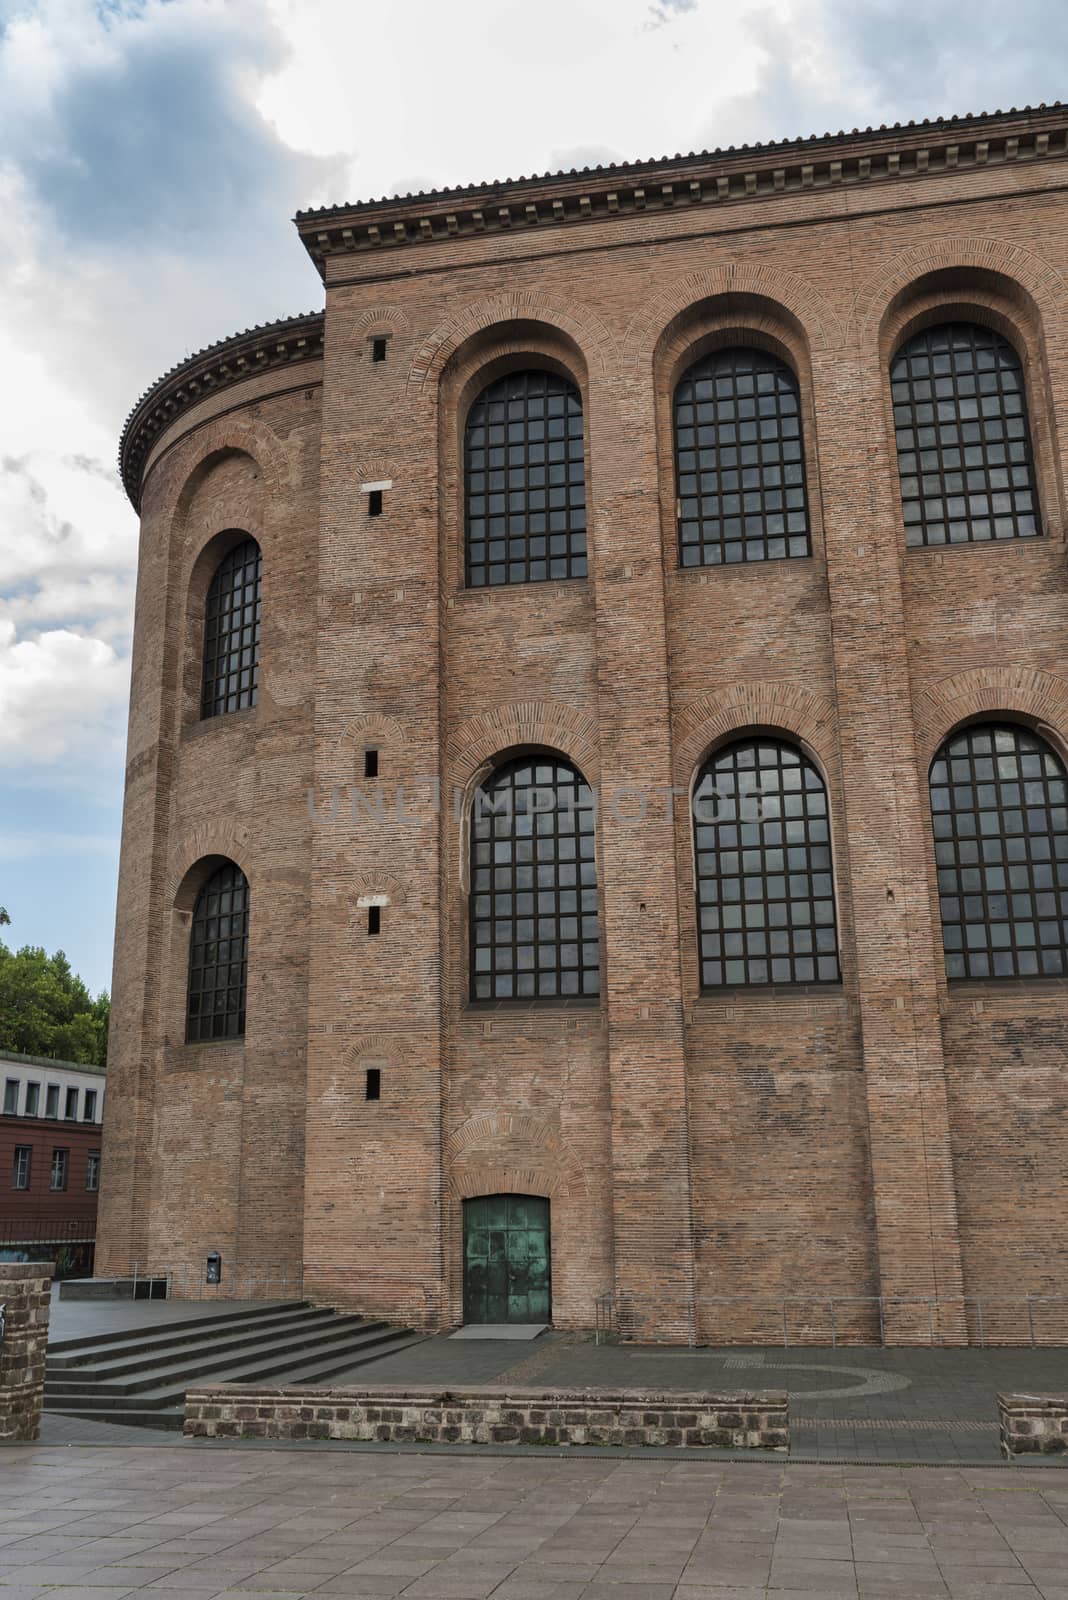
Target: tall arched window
x,y
999,804
765,886
739,460
218,957
963,440
525,481
232,633
534,928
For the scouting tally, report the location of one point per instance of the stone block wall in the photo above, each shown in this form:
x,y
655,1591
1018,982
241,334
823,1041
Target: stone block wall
x,y
25,1293
753,1421
1033,1424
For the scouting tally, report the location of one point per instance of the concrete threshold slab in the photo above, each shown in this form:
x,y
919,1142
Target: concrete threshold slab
x,y
500,1330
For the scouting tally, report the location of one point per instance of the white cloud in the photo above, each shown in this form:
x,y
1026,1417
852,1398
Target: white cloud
x,y
59,694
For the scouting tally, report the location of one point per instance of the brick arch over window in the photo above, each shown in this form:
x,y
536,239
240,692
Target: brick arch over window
x,y
999,814
190,849
585,330
1039,698
511,1153
714,718
537,724
194,458
722,287
1015,273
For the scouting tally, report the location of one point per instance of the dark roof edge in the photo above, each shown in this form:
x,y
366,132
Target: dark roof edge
x,y
52,1063
227,361
630,169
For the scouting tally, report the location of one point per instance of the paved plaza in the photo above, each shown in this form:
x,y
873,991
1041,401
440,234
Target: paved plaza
x,y
190,1523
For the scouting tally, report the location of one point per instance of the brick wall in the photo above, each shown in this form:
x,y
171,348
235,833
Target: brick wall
x,y
888,1136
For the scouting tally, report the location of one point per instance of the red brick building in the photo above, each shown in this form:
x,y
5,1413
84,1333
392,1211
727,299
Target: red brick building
x,y
49,1161
736,477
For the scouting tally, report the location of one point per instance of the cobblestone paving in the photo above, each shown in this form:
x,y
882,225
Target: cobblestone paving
x,y
99,1524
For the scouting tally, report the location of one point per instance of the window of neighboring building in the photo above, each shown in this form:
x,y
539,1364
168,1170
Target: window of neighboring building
x,y
89,1113
963,439
534,928
765,886
70,1108
60,1164
11,1096
739,461
52,1100
33,1098
218,957
232,633
999,807
23,1158
92,1170
525,481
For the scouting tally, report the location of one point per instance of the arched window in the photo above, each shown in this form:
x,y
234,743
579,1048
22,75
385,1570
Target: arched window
x,y
218,957
765,887
999,804
533,883
739,461
525,481
963,440
232,633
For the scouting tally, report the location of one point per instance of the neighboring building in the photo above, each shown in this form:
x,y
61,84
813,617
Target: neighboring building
x,y
738,472
49,1161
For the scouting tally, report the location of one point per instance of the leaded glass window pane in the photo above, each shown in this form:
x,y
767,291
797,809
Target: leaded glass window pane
x,y
999,808
218,957
739,461
534,922
525,482
765,884
963,438
232,633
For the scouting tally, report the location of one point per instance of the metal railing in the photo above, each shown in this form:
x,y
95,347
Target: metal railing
x,y
39,1229
835,1320
240,1280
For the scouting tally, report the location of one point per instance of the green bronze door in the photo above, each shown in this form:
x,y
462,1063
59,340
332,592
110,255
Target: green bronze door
x,y
506,1259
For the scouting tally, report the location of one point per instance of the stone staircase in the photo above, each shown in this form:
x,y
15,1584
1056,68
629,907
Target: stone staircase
x,y
139,1376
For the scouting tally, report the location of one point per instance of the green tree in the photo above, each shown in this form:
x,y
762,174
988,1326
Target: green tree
x,y
46,1009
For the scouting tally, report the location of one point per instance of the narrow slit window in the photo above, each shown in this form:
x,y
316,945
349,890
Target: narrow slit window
x,y
232,633
378,349
374,1083
374,503
370,763
218,957
374,919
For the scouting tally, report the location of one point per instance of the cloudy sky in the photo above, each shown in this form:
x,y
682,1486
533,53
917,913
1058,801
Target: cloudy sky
x,y
152,153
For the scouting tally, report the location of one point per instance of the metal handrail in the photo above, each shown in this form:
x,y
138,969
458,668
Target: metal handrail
x,y
612,1312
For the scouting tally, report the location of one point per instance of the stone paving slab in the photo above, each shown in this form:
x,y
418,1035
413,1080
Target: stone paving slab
x,y
104,1523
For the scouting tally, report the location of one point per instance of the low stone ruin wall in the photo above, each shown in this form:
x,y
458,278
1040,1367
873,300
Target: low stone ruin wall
x,y
1033,1424
25,1294
754,1421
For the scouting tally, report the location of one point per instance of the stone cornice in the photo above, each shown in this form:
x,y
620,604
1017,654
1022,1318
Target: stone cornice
x,y
244,355
844,160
